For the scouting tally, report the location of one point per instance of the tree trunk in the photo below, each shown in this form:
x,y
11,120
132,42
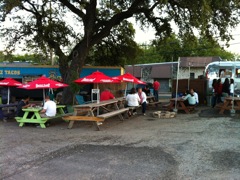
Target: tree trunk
x,y
72,72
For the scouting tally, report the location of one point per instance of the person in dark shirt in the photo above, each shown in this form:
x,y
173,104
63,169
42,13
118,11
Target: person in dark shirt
x,y
226,87
4,94
24,103
219,90
146,90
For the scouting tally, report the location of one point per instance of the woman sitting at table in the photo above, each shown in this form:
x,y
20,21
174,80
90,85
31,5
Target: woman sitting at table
x,y
24,103
133,100
190,99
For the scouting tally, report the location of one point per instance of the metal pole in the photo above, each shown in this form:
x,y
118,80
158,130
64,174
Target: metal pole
x,y
175,110
189,76
233,76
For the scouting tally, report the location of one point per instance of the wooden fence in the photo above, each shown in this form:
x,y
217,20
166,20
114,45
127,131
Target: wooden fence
x,y
199,85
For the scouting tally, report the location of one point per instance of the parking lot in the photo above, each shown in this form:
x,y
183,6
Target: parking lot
x,y
142,147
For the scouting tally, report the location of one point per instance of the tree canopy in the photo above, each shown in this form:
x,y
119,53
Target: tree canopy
x,y
79,25
172,47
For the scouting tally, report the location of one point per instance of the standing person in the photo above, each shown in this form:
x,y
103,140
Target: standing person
x,y
49,108
132,100
231,87
106,95
24,103
156,86
143,100
226,88
214,93
219,91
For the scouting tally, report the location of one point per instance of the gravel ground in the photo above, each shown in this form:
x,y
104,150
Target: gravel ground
x,y
142,147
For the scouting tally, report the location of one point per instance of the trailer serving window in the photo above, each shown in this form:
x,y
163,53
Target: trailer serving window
x,y
237,73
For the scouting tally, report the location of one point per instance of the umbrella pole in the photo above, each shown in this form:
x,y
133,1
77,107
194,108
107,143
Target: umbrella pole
x,y
43,96
98,100
8,94
125,93
8,97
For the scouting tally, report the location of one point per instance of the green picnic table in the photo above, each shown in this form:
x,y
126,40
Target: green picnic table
x,y
36,118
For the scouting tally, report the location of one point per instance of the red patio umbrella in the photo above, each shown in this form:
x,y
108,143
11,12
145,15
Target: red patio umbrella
x,y
43,83
96,77
9,82
127,77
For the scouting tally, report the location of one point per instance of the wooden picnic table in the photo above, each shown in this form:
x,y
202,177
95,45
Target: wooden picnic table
x,y
150,98
151,101
227,105
90,109
180,104
36,118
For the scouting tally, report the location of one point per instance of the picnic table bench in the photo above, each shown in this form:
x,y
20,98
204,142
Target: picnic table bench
x,y
179,105
151,101
154,103
89,110
227,105
36,118
96,119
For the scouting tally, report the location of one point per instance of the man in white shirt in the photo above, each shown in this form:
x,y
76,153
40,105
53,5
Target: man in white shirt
x,y
143,100
49,108
195,95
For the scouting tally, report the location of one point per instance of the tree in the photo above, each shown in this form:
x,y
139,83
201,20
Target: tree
x,y
148,54
45,24
118,49
170,48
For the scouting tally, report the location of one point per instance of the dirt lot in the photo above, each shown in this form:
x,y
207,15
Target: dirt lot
x,y
142,147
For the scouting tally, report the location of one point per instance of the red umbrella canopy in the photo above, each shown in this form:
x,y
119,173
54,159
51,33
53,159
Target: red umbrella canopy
x,y
96,77
127,77
9,82
43,83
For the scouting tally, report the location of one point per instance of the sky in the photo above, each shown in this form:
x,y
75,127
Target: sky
x,y
144,37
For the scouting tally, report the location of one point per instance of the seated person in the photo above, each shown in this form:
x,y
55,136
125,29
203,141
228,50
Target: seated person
x,y
49,108
133,100
190,99
106,95
146,90
195,95
4,95
24,103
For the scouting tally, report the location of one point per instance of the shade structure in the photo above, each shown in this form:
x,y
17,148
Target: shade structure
x,y
8,82
127,77
43,83
96,77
